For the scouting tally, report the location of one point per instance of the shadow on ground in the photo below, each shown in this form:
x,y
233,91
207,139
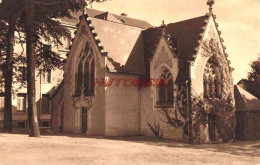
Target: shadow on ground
x,y
240,148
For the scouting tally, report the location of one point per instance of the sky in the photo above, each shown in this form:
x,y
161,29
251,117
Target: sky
x,y
239,22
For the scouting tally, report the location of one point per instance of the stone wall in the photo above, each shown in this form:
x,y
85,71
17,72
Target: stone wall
x,y
72,108
122,116
248,125
150,114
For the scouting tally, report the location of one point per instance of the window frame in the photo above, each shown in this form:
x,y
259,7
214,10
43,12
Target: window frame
x,y
23,96
43,107
43,122
2,96
19,123
46,76
212,89
164,75
22,70
85,75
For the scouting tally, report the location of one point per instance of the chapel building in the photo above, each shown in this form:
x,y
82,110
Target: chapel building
x,y
108,48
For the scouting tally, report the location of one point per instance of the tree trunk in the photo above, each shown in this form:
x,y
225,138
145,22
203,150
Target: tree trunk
x,y
30,46
8,74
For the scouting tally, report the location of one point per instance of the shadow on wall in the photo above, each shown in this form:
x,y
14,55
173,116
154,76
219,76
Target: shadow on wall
x,y
247,114
245,100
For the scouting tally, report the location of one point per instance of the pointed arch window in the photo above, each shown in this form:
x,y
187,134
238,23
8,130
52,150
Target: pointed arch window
x,y
212,80
86,72
89,74
92,76
79,78
165,91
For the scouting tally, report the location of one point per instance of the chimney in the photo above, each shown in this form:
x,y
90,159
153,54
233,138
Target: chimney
x,y
124,14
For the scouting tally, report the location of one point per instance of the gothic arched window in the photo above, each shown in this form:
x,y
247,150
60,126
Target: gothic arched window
x,y
79,78
89,74
92,75
212,80
165,90
86,74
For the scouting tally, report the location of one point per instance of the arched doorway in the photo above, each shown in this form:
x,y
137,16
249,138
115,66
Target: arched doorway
x,y
212,89
84,119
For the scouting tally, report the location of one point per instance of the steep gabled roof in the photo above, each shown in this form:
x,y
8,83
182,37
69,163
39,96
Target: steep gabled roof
x,y
185,33
245,101
132,47
93,12
129,46
123,44
109,17
134,22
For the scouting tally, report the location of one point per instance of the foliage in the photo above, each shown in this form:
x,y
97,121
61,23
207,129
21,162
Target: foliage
x,y
252,83
211,49
38,21
254,75
178,117
225,113
3,31
156,129
48,30
199,118
223,108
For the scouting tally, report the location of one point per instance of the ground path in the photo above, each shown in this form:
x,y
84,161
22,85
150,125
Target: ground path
x,y
69,150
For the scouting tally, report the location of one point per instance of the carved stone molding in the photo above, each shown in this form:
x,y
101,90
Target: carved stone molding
x,y
211,48
211,32
163,58
83,101
83,30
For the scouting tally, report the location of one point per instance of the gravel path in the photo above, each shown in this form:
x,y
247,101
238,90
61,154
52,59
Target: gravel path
x,y
79,149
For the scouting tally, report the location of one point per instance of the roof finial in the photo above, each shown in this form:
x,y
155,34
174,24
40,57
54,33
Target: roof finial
x,y
163,24
210,3
163,28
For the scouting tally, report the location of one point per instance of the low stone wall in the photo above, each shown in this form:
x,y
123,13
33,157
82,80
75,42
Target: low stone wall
x,y
248,125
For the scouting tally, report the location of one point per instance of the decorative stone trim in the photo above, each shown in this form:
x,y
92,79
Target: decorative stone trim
x,y
212,48
83,101
201,35
163,58
94,34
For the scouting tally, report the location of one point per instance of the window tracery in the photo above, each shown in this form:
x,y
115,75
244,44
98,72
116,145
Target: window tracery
x,y
212,81
86,72
165,91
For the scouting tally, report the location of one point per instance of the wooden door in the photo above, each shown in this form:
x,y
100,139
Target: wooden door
x,y
84,120
212,127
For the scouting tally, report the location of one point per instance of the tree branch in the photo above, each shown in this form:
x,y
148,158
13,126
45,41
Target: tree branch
x,y
50,3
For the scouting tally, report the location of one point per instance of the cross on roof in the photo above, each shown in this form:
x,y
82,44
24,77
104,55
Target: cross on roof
x,y
163,28
210,3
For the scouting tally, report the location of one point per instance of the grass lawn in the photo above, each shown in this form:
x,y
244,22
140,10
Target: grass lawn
x,y
81,149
